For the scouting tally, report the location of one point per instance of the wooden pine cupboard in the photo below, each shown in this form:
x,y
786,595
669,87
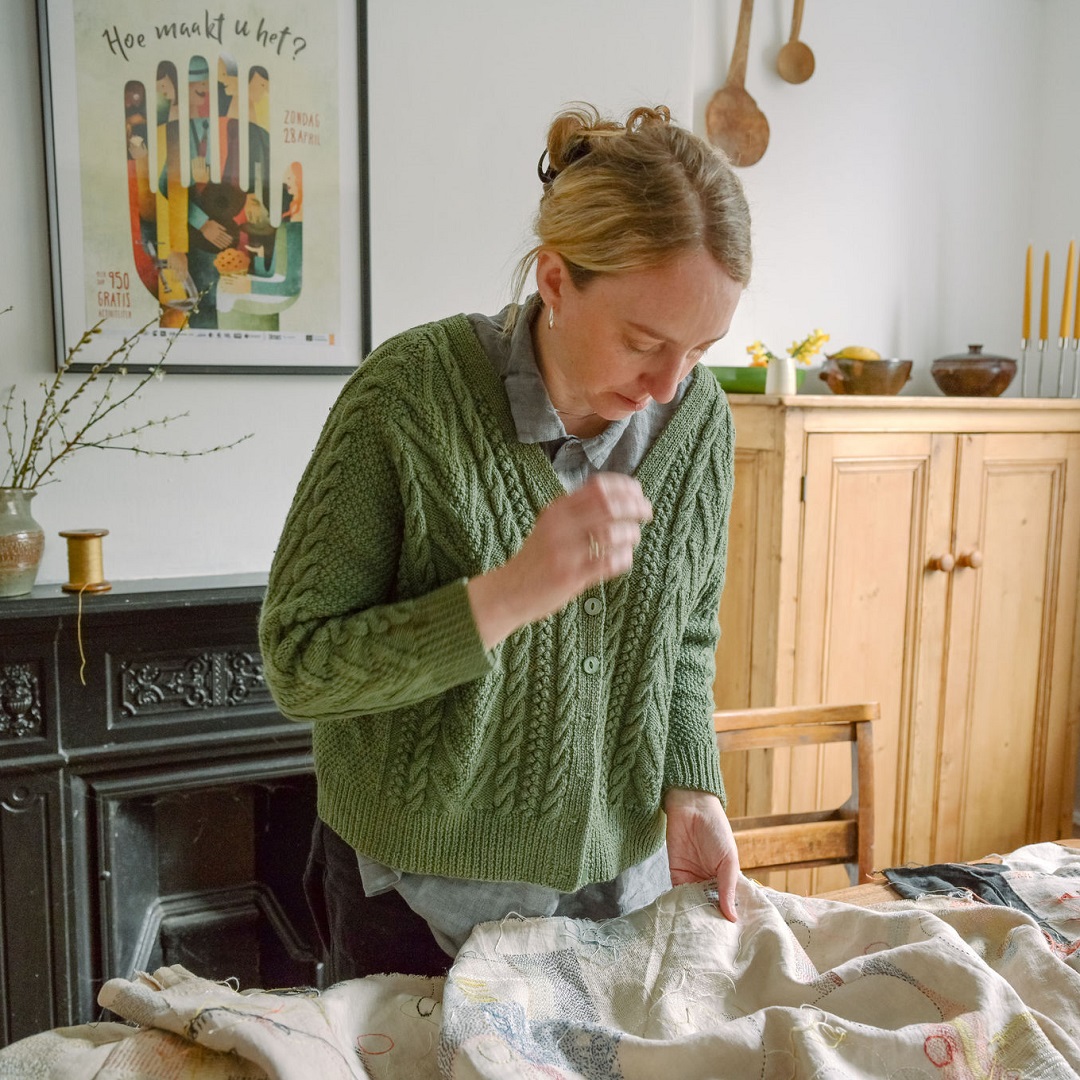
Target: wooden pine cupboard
x,y
923,553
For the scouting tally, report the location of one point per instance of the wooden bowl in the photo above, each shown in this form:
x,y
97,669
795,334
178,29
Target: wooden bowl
x,y
973,374
847,376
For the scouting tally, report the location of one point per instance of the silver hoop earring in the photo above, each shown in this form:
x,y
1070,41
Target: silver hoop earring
x,y
551,318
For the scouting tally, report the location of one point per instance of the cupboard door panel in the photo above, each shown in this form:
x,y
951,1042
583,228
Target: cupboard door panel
x,y
876,505
734,655
746,775
1003,780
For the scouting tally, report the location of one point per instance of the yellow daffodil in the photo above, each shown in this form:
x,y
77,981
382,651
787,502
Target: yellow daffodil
x,y
759,355
802,352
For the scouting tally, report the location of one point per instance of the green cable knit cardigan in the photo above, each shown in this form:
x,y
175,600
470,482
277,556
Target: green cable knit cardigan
x,y
546,759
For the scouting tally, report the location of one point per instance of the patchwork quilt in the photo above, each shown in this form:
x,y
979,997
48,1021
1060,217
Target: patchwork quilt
x,y
942,986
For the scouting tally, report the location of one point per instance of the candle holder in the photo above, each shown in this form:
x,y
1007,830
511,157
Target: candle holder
x,y
1051,382
1060,365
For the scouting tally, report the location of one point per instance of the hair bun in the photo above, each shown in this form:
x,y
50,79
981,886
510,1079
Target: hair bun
x,y
637,193
643,117
571,136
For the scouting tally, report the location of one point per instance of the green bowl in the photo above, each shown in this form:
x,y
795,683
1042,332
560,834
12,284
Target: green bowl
x,y
749,380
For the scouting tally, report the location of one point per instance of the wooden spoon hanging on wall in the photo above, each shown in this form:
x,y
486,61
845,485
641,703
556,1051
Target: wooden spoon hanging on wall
x,y
795,60
732,119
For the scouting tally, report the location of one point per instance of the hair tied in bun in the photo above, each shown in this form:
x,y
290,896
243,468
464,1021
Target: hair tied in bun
x,y
548,174
646,117
647,192
575,153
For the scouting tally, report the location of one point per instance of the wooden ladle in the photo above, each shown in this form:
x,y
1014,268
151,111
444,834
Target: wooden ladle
x,y
732,119
795,61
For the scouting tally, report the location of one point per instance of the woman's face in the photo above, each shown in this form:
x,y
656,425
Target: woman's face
x,y
626,339
258,88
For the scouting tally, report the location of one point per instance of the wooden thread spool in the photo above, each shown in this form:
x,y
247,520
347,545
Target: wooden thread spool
x,y
85,567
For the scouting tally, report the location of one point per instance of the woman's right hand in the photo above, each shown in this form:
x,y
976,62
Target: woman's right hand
x,y
578,541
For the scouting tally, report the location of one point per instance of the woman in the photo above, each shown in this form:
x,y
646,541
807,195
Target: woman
x,y
497,589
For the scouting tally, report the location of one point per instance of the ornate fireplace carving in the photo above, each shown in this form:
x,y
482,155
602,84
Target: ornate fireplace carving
x,y
168,682
21,708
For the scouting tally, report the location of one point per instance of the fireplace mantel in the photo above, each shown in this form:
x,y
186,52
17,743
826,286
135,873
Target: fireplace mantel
x,y
155,806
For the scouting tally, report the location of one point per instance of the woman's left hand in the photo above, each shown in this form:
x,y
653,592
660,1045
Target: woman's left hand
x,y
701,845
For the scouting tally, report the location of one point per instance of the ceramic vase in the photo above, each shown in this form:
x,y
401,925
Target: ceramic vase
x,y
780,376
22,542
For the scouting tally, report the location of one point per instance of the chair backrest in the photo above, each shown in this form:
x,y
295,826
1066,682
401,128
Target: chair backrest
x,y
788,841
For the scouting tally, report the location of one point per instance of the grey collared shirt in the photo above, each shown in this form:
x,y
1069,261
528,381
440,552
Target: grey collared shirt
x,y
620,447
453,906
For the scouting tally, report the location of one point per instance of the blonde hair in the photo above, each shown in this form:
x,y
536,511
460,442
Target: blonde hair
x,y
635,195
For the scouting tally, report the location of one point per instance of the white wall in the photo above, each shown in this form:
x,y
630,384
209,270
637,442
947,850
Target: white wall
x,y
900,188
1053,167
893,203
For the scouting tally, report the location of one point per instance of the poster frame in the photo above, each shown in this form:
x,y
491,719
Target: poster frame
x,y
64,183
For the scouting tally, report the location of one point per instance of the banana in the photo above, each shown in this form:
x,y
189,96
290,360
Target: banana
x,y
857,352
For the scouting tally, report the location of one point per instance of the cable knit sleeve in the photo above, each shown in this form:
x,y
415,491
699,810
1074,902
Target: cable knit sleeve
x,y
336,640
692,760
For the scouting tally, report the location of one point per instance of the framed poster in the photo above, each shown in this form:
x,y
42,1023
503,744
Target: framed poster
x,y
207,170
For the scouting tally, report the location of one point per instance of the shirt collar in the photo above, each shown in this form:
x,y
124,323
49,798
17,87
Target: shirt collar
x,y
534,416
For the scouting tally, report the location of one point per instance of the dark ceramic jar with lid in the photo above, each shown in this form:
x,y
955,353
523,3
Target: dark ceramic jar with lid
x,y
973,374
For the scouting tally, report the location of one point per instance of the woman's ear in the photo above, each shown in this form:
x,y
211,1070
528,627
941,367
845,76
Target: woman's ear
x,y
552,277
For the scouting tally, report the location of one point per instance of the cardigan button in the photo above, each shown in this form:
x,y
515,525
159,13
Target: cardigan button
x,y
593,606
591,664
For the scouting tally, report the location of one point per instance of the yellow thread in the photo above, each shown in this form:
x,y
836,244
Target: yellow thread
x,y
828,1034
78,634
85,567
475,990
86,571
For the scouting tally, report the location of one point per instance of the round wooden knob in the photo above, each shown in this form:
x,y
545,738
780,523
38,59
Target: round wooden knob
x,y
970,558
944,563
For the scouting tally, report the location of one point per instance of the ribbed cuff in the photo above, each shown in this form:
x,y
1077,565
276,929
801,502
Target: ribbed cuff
x,y
696,768
452,635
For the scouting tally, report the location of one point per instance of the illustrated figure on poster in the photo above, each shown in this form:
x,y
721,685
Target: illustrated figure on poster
x,y
161,245
141,203
253,300
193,232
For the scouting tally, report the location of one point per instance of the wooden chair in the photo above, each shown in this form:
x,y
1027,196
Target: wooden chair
x,y
789,841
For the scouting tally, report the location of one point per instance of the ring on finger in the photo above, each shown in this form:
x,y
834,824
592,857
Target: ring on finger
x,y
596,550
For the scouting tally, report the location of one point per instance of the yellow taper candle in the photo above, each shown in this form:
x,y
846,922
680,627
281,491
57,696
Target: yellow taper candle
x,y
1044,306
1066,303
1027,296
